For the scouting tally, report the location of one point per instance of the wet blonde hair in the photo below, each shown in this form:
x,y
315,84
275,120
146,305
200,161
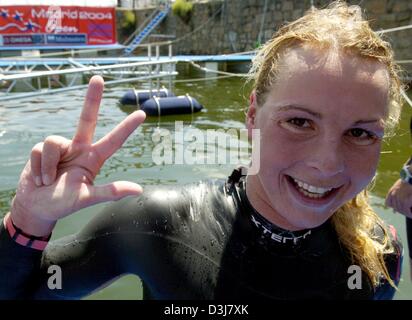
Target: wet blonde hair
x,y
341,27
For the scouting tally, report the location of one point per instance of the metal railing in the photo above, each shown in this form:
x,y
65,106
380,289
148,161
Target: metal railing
x,y
45,76
141,4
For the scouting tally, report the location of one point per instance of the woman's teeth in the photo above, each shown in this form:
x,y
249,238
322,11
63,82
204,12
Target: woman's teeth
x,y
311,191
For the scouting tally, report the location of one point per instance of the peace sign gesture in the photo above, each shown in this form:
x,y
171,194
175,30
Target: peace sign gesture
x,y
58,178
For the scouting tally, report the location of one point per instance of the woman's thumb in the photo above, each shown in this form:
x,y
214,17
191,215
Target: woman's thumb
x,y
113,191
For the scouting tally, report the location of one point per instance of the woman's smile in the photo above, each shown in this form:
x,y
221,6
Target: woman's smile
x,y
310,195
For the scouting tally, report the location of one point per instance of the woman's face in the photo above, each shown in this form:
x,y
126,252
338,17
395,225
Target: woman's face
x,y
321,127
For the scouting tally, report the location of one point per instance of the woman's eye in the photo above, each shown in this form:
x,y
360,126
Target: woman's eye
x,y
359,133
361,136
300,122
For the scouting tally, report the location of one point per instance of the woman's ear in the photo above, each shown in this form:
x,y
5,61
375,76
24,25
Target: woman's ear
x,y
251,114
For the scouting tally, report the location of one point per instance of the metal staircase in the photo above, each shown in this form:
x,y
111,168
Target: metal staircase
x,y
158,17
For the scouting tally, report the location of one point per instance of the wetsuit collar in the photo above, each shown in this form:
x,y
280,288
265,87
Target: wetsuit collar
x,y
277,234
269,230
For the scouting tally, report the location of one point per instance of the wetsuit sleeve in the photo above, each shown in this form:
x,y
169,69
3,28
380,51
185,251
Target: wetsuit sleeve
x,y
88,260
394,265
83,260
136,235
17,266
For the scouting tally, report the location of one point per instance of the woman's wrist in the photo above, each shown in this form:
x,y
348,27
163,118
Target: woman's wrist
x,y
22,238
28,223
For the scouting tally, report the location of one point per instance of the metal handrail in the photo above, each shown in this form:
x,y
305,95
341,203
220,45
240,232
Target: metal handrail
x,y
75,70
140,27
109,82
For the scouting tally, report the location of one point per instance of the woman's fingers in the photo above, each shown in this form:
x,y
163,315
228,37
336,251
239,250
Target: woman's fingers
x,y
111,192
53,149
88,117
111,142
406,207
35,163
400,205
395,201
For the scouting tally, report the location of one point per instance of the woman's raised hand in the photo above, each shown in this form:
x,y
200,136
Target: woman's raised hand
x,y
58,178
399,198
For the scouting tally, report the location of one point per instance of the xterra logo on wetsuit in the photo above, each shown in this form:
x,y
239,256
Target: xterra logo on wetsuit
x,y
291,238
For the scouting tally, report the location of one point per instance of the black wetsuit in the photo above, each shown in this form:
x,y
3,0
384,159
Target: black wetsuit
x,y
200,241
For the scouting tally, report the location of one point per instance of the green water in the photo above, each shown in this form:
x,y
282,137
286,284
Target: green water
x,y
26,122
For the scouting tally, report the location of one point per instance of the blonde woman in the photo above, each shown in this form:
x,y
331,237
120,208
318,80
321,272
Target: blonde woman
x,y
326,91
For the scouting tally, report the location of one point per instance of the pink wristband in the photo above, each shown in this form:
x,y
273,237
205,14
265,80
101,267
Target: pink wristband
x,y
38,243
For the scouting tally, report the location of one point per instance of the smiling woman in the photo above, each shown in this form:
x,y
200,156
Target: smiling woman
x,y
326,91
327,141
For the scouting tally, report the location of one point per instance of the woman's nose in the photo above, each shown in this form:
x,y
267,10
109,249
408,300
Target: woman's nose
x,y
327,157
